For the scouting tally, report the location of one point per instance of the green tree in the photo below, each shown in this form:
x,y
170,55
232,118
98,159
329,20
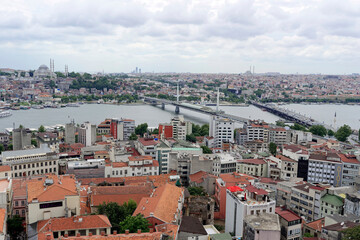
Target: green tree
x,y
10,147
60,74
34,142
343,133
308,235
330,133
15,227
206,150
141,129
191,138
133,223
1,148
359,135
280,123
133,136
52,84
298,127
351,233
197,191
318,130
204,130
155,131
272,148
41,128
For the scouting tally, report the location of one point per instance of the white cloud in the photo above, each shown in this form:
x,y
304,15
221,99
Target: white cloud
x,y
182,35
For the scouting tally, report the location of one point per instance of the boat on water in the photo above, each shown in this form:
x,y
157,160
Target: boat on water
x,y
62,105
15,108
5,114
73,105
38,107
24,107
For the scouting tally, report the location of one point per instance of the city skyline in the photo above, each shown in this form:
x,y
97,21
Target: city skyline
x,y
182,36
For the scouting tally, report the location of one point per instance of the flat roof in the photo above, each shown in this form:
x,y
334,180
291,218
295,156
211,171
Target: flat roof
x,y
43,149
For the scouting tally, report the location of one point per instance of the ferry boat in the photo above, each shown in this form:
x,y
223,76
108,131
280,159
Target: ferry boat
x,y
73,105
5,114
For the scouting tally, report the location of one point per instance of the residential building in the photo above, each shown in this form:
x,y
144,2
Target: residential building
x,y
314,228
3,224
52,196
261,226
222,129
352,203
191,228
146,147
222,183
4,138
242,203
163,206
126,127
6,195
336,231
87,134
19,197
257,130
283,193
75,226
288,167
290,224
331,204
5,172
204,180
253,167
351,169
135,166
299,154
306,200
31,162
70,133
165,131
256,145
21,138
180,127
201,208
50,139
300,137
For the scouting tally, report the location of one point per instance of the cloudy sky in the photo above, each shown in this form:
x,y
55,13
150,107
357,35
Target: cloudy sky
x,y
288,36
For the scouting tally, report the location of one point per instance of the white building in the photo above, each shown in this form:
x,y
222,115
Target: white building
x,y
222,129
181,128
239,204
87,134
125,129
31,162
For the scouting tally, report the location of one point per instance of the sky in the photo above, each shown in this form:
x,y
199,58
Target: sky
x,y
200,36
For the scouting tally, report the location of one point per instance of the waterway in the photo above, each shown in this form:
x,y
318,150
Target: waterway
x,y
95,113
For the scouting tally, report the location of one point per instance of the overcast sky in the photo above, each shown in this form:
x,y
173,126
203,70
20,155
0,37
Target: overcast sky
x,y
287,36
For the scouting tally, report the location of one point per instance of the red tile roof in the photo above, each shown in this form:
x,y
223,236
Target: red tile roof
x,y
317,224
74,223
252,161
348,159
140,158
199,176
258,191
147,141
2,219
287,214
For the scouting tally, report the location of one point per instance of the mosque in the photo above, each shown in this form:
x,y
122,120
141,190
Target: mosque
x,y
44,72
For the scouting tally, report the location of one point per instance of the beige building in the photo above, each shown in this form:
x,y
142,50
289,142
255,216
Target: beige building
x,y
262,226
290,224
38,161
52,196
287,166
253,167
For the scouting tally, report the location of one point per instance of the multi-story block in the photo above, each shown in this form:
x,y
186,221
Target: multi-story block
x,y
19,202
290,224
253,167
181,128
352,203
91,168
21,138
31,162
262,226
287,166
279,136
146,147
299,154
52,196
222,129
49,139
306,200
351,169
6,195
331,204
87,134
70,133
126,128
242,203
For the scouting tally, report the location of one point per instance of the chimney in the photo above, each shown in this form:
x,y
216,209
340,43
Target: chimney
x,y
151,230
78,234
102,233
114,232
139,231
127,231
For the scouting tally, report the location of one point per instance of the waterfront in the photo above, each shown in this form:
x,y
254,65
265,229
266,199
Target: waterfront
x,y
95,113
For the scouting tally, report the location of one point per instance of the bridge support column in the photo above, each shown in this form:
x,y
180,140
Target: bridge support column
x,y
177,109
163,106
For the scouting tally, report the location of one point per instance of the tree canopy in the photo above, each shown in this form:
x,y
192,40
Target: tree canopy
x,y
351,233
41,128
272,148
343,133
15,227
133,223
318,130
206,150
133,136
197,191
141,129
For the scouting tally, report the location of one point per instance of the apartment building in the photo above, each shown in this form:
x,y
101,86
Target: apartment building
x,y
279,136
90,168
49,138
306,200
262,226
87,134
21,138
180,127
351,169
31,162
222,129
287,167
126,127
299,154
6,195
146,146
241,203
135,166
331,204
257,130
52,196
253,167
290,224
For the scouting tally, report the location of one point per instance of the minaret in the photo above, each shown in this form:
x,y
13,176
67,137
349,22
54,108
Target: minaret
x,y
335,121
217,100
177,92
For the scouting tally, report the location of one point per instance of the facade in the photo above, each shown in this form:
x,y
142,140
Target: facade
x,y
90,168
222,130
306,200
49,139
180,127
70,133
240,205
201,208
165,131
287,166
331,204
261,226
352,203
290,224
19,202
6,195
253,167
204,180
38,161
21,138
44,72
52,196
87,134
146,147
135,166
351,169
191,228
297,153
